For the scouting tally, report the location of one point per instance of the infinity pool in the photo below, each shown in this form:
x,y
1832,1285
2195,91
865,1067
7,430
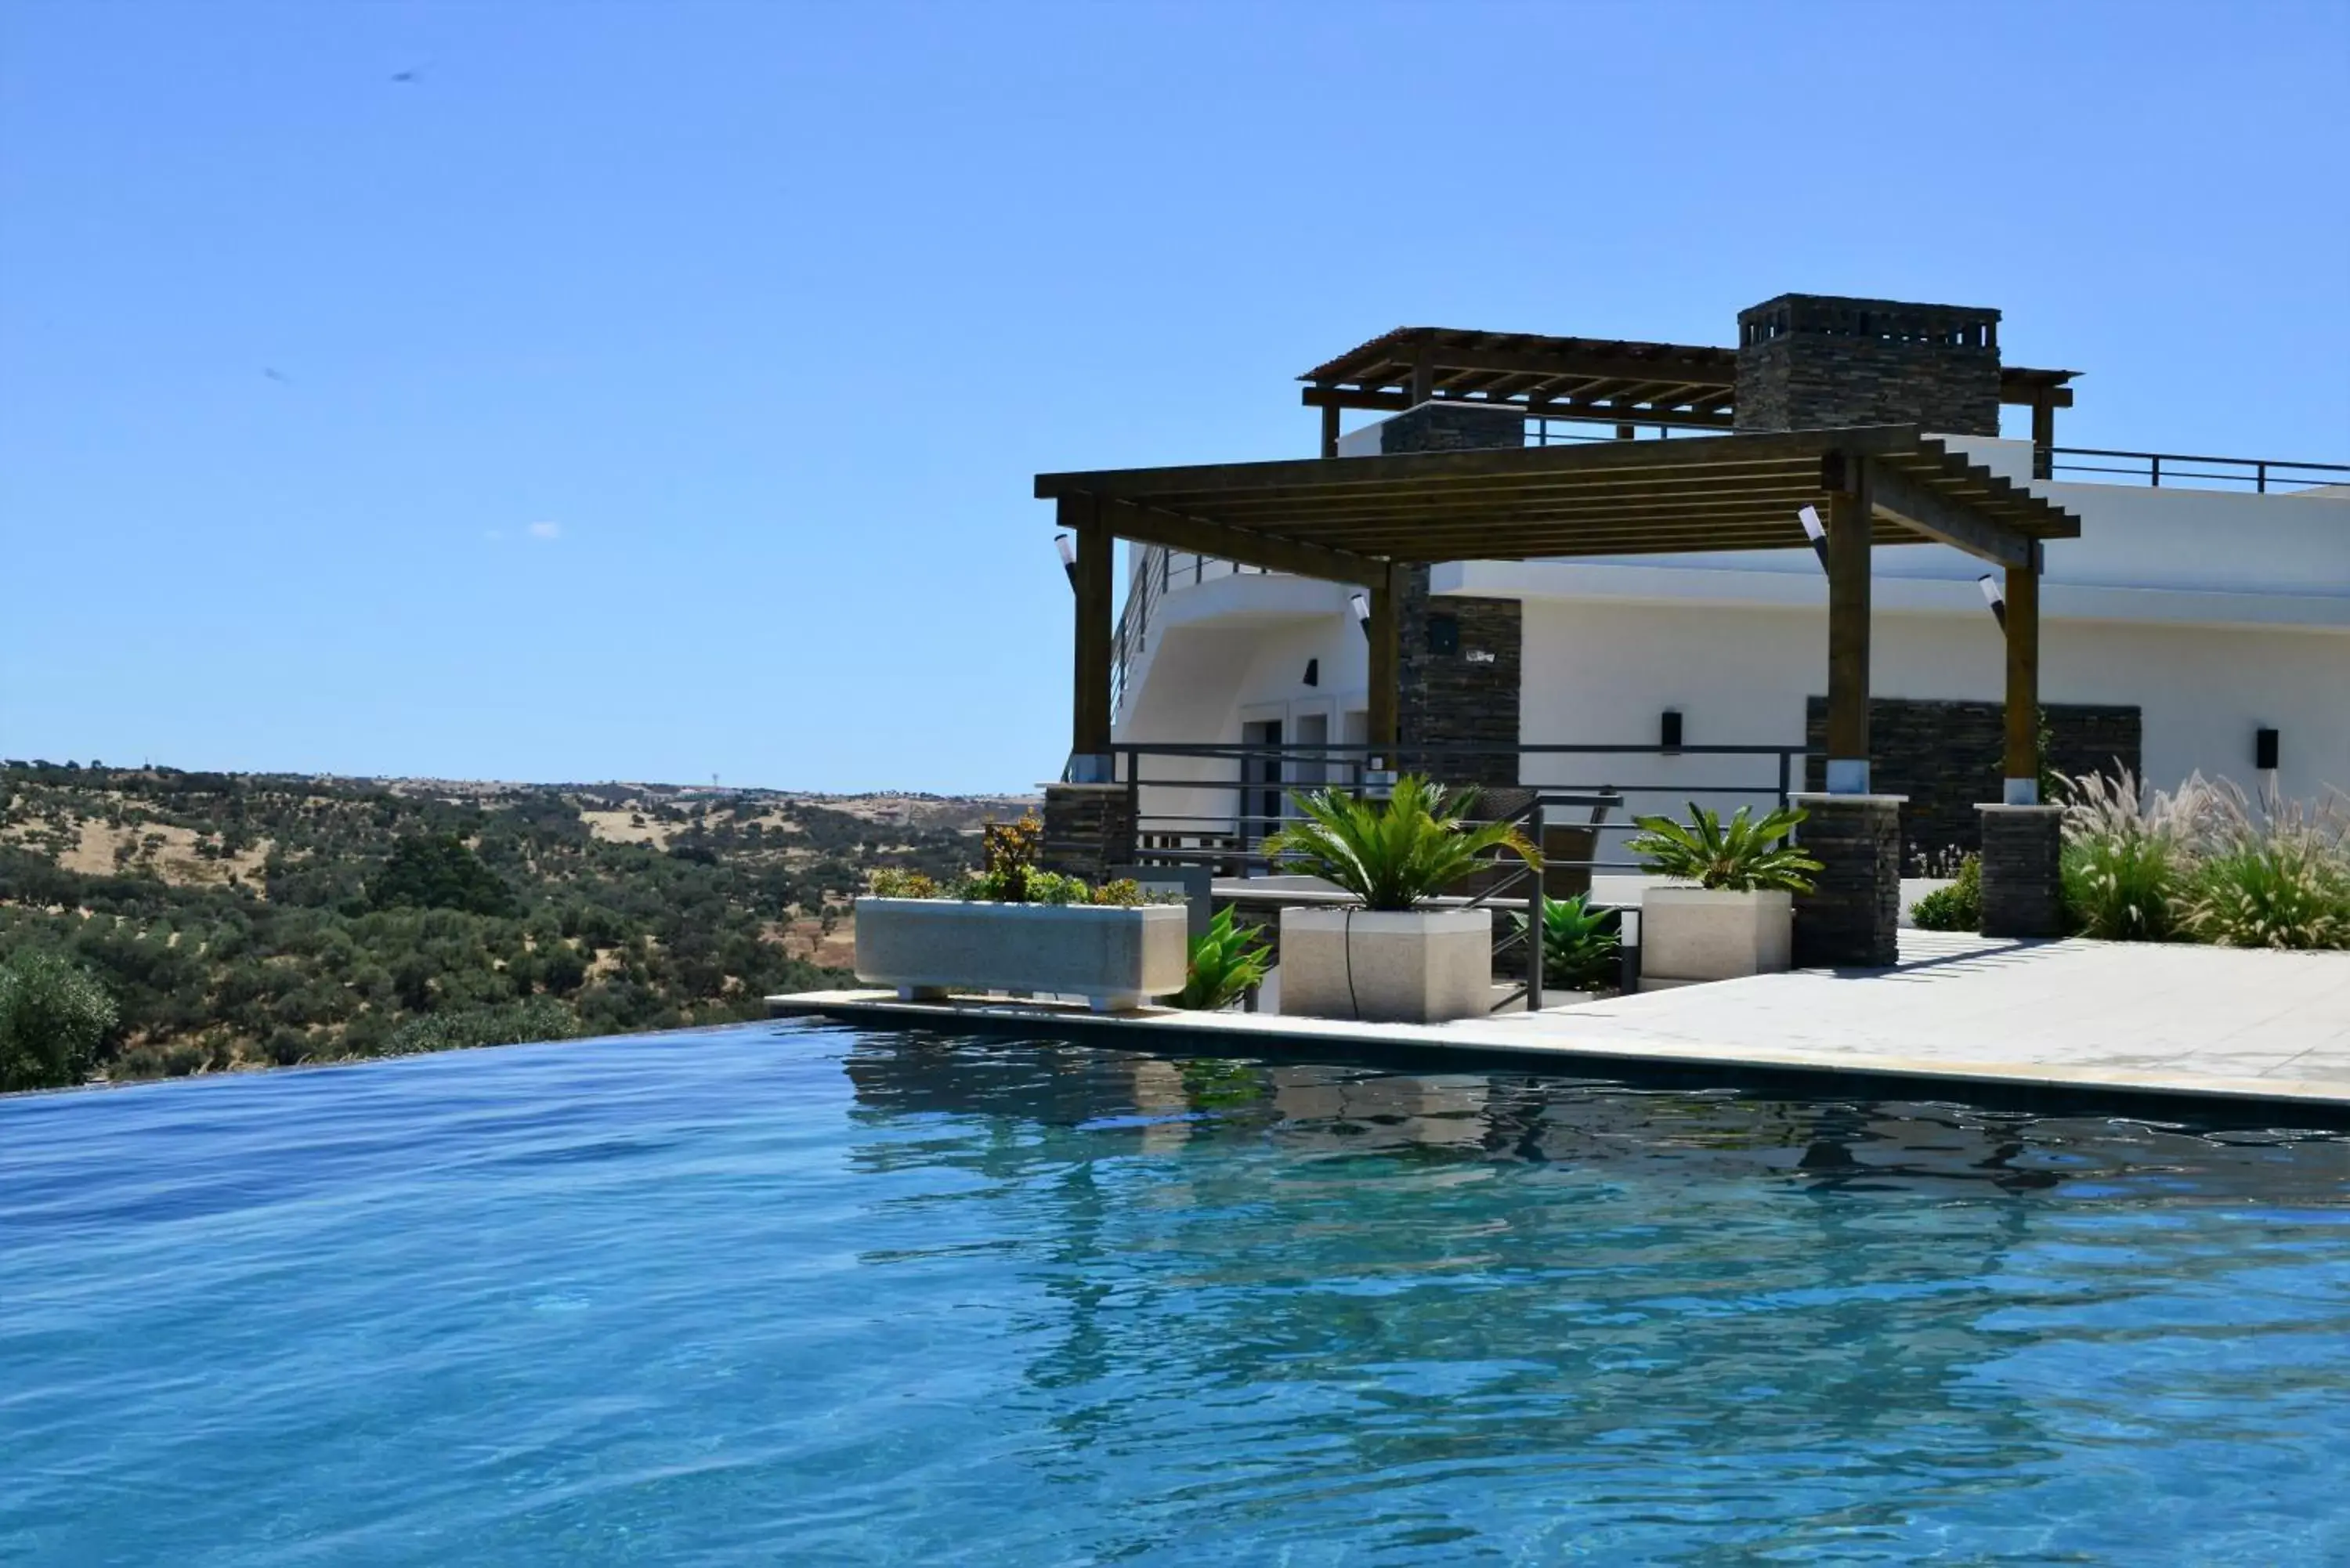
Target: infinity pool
x,y
799,1295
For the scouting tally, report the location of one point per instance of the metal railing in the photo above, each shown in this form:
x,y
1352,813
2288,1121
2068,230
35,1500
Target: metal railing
x,y
1158,571
1212,803
2155,469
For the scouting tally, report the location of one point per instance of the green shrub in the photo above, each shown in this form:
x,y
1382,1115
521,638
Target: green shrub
x,y
1957,908
1580,947
2125,888
894,882
438,871
54,1017
2128,856
1012,848
1227,963
1053,888
2285,893
513,1023
1740,857
1126,893
1392,854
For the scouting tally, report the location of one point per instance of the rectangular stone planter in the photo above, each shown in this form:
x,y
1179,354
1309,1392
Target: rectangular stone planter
x,y
1697,933
1410,966
1116,958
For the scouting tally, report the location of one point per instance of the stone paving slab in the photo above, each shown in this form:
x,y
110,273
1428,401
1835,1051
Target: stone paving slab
x,y
2133,1018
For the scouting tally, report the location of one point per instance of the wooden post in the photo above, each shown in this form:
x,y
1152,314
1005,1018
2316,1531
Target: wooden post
x,y
2022,787
1626,432
1387,669
1423,374
1329,430
1849,507
1091,715
2044,436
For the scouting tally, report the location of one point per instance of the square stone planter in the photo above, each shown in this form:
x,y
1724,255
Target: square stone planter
x,y
1411,966
1696,933
1116,958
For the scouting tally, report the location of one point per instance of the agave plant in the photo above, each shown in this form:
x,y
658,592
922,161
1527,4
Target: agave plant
x,y
1393,854
1738,857
1580,950
1227,961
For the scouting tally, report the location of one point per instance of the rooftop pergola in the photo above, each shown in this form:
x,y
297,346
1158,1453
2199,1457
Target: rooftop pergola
x,y
1669,385
1366,520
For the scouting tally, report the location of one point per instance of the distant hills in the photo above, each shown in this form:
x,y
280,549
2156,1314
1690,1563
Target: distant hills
x,y
245,920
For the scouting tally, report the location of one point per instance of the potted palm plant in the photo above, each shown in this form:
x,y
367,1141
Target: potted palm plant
x,y
1739,918
1389,957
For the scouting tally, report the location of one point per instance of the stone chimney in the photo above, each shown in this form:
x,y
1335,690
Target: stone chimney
x,y
1816,362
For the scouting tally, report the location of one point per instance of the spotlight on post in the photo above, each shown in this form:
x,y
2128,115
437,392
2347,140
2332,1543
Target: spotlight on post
x,y
1361,605
1068,548
1816,533
1994,597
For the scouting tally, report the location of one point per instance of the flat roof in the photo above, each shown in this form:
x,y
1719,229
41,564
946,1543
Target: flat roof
x,y
1344,517
1681,384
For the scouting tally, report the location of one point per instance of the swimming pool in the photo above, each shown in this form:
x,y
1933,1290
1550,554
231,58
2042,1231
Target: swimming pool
x,y
796,1294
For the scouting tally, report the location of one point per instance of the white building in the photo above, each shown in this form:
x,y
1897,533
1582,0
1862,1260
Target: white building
x,y
2199,622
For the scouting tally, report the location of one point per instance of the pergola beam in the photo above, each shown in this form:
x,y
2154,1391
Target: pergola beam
x,y
1951,522
1152,526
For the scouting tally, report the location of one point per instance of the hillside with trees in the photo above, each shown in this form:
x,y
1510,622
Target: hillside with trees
x,y
183,922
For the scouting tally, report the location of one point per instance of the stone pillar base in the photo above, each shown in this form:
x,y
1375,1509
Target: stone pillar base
x,y
1852,916
1088,829
2022,888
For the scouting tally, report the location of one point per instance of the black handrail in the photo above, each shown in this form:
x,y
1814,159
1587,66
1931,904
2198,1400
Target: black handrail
x,y
2259,472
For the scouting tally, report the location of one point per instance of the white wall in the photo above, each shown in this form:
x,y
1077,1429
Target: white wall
x,y
1601,672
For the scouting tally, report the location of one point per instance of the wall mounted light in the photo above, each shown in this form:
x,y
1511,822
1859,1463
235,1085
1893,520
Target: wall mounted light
x,y
1361,605
2264,749
1816,533
1994,597
1668,730
1314,672
1068,548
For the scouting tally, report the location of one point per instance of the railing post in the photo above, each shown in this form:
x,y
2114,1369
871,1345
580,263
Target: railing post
x,y
1535,900
1785,759
2153,470
2260,480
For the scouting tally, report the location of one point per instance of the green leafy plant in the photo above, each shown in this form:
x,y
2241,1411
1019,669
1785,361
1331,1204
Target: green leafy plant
x,y
1053,888
1126,893
1957,908
894,882
1392,854
1581,949
1738,857
1012,848
1227,961
52,1018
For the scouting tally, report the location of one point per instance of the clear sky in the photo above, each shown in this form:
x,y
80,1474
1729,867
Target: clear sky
x,y
653,390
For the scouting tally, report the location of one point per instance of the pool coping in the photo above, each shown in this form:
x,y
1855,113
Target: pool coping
x,y
2272,1101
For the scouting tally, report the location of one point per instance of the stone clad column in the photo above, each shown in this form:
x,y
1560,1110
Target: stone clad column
x,y
1852,917
2022,887
1088,829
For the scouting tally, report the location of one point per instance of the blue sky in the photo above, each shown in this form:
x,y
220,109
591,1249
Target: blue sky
x,y
653,390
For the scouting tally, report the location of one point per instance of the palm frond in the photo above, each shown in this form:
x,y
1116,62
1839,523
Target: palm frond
x,y
1393,854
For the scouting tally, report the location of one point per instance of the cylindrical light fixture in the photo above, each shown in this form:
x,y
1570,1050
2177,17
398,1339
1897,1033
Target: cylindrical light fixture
x,y
1995,597
1816,532
1069,549
1360,603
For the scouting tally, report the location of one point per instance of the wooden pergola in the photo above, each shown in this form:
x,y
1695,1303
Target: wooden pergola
x,y
1366,519
1676,386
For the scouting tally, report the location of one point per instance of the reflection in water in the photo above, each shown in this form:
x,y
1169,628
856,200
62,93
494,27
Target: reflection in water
x,y
1317,1289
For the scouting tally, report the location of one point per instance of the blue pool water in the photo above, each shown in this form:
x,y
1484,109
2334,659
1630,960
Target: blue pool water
x,y
803,1296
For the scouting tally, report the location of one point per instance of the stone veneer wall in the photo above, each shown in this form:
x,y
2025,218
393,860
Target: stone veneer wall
x,y
1088,829
1458,697
1950,757
1818,361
